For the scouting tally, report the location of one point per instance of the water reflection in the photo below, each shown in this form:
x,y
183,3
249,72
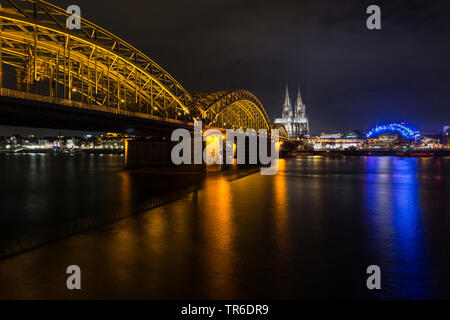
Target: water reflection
x,y
308,232
395,225
45,197
216,203
281,206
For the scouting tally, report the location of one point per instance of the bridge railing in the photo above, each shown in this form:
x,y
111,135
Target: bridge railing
x,y
10,93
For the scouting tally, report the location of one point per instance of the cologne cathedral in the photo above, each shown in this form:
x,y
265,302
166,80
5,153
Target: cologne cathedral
x,y
296,123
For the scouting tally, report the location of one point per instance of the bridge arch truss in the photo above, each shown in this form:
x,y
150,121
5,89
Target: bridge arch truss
x,y
97,68
282,131
237,109
90,65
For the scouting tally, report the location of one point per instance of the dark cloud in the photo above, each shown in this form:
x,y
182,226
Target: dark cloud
x,y
350,77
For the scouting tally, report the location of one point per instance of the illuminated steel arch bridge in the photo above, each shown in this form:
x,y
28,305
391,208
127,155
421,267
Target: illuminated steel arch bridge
x,y
91,69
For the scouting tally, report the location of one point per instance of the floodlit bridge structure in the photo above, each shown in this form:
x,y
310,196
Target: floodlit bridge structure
x,y
89,79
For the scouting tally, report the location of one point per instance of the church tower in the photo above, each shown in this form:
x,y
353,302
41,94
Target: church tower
x,y
287,108
296,123
300,111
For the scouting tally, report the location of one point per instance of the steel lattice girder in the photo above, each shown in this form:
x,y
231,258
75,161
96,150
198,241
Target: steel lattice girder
x,y
105,70
233,109
283,133
35,31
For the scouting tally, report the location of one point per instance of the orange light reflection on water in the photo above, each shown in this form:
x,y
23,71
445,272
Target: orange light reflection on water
x,y
217,228
281,205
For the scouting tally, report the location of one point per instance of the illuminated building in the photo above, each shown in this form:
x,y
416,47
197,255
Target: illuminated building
x,y
446,136
331,135
396,128
392,136
296,123
355,135
431,142
336,141
55,144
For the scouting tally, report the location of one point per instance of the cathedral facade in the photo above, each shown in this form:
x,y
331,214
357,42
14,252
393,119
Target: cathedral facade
x,y
296,122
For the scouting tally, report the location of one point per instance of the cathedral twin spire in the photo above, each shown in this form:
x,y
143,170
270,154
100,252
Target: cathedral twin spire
x,y
296,123
299,110
287,108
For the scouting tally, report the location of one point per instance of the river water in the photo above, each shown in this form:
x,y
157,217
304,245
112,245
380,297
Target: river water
x,y
308,232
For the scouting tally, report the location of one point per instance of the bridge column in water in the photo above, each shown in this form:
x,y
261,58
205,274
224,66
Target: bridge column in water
x,y
144,153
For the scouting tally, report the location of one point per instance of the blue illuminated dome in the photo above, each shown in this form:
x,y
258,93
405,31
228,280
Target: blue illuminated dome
x,y
404,131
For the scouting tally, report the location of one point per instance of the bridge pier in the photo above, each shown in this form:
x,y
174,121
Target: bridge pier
x,y
287,148
142,153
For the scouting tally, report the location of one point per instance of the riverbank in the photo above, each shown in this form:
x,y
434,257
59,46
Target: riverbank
x,y
379,153
64,151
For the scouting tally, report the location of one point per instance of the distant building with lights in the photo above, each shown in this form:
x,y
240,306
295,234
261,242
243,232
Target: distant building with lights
x,y
353,140
102,143
296,122
394,130
446,136
324,135
393,136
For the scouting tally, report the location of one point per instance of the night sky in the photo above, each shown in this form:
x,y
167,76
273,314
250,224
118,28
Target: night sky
x,y
350,77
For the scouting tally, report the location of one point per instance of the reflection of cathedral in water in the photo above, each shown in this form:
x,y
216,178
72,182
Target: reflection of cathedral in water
x,y
296,124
